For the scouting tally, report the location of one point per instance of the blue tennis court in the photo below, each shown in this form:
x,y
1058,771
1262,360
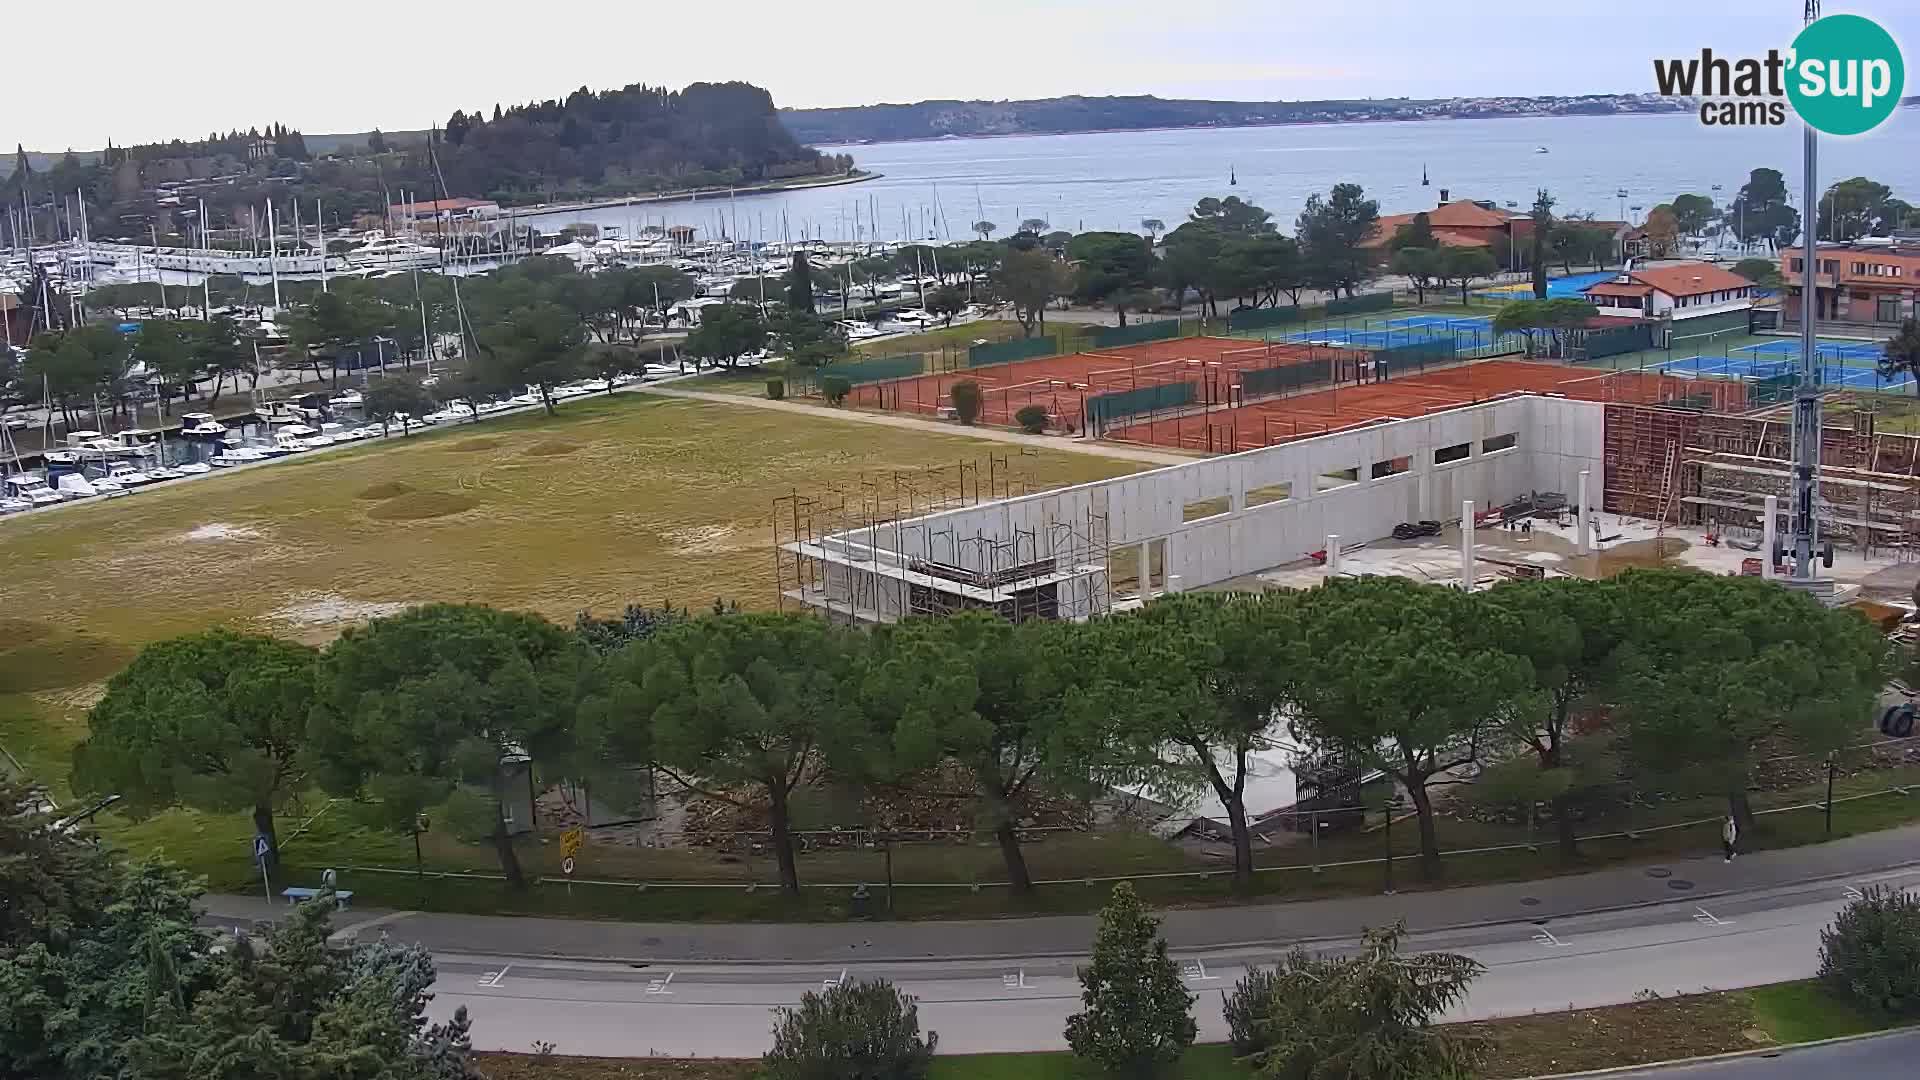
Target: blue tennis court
x,y
1742,367
1442,323
1788,349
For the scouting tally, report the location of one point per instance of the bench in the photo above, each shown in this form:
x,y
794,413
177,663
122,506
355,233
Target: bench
x,y
295,894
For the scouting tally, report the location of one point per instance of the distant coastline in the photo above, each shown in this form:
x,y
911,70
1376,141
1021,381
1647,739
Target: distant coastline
x,y
854,144
1243,127
858,176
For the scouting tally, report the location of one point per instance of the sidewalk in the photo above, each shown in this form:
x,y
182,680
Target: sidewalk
x,y
1186,929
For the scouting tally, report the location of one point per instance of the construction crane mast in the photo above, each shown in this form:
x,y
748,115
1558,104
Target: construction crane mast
x,y
1803,534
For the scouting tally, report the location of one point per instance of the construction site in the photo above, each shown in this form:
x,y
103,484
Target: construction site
x,y
1330,457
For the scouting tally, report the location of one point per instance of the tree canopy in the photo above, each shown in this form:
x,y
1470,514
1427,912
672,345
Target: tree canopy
x,y
1719,669
738,707
215,720
1331,230
435,708
726,333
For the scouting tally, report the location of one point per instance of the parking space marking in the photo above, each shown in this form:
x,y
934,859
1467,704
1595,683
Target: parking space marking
x,y
661,986
492,978
1707,918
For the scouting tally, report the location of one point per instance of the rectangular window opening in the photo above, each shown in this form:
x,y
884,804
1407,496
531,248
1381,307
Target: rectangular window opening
x,y
1499,443
1206,508
1271,493
1391,467
1123,571
1449,454
1157,564
1338,478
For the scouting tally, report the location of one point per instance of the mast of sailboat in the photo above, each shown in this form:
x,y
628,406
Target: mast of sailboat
x,y
159,277
273,255
320,238
459,308
206,280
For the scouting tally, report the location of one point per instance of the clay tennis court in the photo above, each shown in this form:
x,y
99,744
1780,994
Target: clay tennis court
x,y
1282,419
1061,384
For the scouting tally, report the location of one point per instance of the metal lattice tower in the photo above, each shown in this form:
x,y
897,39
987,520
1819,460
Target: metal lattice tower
x,y
1803,538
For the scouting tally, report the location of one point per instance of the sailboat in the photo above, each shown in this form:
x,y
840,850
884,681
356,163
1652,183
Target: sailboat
x,y
1233,178
1423,175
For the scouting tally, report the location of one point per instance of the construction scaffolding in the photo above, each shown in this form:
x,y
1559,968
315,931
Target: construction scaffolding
x,y
1726,466
887,546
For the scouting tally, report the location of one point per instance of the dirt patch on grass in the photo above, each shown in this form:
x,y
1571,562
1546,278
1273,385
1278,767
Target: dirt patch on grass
x,y
1660,1030
73,698
423,505
220,530
552,448
329,610
15,633
392,489
706,539
63,660
529,1067
472,446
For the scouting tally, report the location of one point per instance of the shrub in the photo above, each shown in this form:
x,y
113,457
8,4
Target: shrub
x,y
776,389
862,1030
1137,1020
1032,419
966,400
1871,953
835,388
1248,1010
1368,1015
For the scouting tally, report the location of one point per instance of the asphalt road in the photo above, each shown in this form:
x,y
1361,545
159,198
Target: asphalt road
x,y
1883,1057
1020,1002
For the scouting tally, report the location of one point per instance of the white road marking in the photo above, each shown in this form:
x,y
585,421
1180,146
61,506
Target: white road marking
x,y
492,978
1545,937
828,984
660,986
1196,971
1853,893
1016,981
1708,918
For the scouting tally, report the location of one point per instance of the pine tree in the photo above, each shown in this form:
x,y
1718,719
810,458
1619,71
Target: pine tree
x,y
800,284
1138,1018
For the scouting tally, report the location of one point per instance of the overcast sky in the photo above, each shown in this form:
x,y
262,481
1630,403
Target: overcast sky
x,y
138,71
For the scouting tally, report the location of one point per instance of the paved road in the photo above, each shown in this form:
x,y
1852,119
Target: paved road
x,y
1594,939
1883,1057
1021,1003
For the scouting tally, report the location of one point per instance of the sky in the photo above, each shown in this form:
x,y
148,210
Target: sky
x,y
151,71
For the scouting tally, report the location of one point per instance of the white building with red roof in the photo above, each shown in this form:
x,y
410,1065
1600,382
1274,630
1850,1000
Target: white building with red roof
x,y
1678,291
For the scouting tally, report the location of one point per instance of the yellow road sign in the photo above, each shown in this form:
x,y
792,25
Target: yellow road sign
x,y
571,841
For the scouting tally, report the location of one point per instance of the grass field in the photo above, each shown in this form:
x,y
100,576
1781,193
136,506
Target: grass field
x,y
617,500
1663,1029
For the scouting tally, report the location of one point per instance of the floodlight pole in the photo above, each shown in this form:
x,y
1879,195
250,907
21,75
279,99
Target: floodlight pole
x,y
1806,394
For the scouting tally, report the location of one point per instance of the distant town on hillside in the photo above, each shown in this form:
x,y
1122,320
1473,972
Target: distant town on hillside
x,y
1051,116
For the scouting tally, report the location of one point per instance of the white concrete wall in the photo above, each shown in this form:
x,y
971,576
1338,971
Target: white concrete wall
x,y
1556,438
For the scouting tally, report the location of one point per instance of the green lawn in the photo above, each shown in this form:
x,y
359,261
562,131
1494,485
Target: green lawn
x,y
1211,1062
1806,1011
622,499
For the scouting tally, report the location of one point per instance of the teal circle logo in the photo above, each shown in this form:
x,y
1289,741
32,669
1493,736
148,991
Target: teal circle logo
x,y
1846,75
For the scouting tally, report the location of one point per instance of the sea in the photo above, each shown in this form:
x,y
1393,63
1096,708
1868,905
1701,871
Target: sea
x,y
1613,167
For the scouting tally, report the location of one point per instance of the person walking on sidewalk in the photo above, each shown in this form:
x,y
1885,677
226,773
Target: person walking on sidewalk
x,y
1729,835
